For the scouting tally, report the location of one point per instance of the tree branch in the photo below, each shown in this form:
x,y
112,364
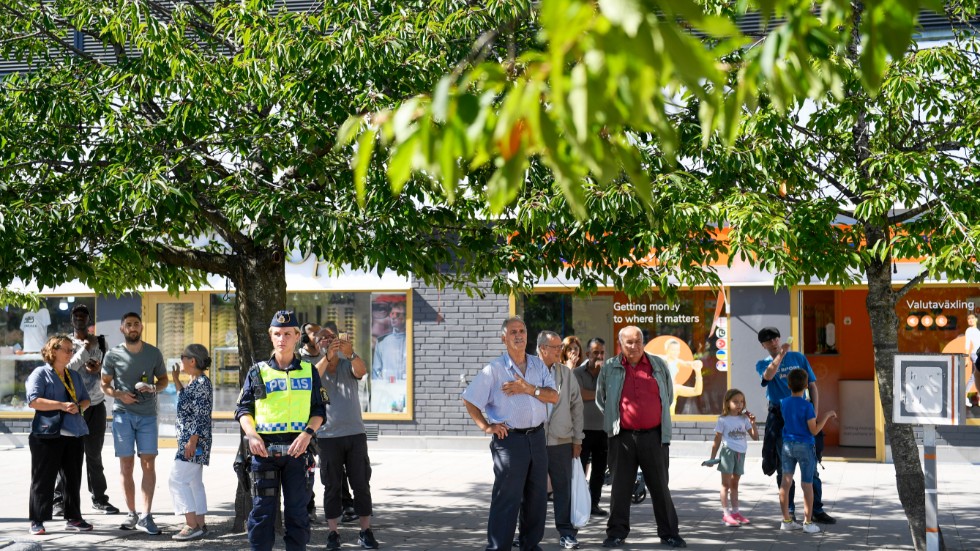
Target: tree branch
x,y
911,284
214,263
912,213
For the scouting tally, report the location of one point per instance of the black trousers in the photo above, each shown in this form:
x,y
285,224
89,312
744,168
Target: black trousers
x,y
595,448
95,417
340,458
560,472
520,490
644,449
48,456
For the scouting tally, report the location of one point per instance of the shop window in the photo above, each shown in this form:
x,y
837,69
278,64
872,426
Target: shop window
x,y
23,334
819,322
545,312
683,334
378,325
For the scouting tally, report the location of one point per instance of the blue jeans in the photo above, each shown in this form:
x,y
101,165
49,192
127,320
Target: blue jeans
x,y
801,453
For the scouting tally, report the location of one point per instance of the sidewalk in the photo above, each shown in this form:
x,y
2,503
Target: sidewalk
x,y
437,500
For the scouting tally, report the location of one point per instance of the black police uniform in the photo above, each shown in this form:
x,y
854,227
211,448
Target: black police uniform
x,y
293,474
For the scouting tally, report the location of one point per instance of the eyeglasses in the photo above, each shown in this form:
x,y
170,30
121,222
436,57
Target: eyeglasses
x,y
186,357
550,346
398,314
64,345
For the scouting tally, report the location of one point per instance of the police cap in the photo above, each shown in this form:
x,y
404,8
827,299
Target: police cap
x,y
284,318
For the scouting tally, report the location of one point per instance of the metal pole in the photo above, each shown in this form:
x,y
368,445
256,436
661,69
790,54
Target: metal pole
x,y
932,497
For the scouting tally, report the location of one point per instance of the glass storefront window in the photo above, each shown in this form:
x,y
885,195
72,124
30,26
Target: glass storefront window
x,y
22,334
683,334
819,322
378,325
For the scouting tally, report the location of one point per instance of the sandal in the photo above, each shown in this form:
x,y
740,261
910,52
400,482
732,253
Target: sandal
x,y
188,533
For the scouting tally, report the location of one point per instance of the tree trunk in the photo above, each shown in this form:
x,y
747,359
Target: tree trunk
x,y
260,290
909,478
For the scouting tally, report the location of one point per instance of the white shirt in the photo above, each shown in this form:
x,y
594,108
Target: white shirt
x,y
35,328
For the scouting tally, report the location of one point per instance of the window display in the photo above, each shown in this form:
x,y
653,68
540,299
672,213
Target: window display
x,y
690,335
22,334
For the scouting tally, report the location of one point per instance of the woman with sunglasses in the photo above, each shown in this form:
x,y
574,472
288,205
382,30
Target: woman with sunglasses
x,y
58,397
195,402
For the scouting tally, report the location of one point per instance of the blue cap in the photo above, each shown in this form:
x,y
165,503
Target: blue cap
x,y
284,318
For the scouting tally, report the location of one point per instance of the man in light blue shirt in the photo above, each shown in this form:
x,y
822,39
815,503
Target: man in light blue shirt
x,y
512,390
390,353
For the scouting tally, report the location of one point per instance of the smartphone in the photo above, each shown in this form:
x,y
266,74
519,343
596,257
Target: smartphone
x,y
789,339
343,337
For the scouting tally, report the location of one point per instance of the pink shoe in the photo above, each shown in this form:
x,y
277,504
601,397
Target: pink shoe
x,y
740,518
730,520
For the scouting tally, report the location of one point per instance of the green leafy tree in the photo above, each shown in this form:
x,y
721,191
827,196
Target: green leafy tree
x,y
839,189
656,138
612,68
193,138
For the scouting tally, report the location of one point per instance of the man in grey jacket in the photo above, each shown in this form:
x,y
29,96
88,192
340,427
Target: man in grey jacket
x,y
564,431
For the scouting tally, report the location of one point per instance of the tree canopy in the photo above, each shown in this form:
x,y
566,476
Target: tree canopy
x,y
614,69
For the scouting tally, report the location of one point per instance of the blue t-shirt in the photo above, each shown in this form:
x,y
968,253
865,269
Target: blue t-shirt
x,y
777,388
796,412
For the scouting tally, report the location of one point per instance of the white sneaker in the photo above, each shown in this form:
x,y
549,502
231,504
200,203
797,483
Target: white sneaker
x,y
789,526
810,528
130,522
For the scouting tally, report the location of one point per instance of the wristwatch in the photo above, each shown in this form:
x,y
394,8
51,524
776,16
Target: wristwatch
x,y
537,391
309,431
353,356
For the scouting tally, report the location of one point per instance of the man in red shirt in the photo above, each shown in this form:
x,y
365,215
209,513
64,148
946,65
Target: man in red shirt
x,y
634,392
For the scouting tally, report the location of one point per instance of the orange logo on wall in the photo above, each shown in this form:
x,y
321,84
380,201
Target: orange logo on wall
x,y
912,321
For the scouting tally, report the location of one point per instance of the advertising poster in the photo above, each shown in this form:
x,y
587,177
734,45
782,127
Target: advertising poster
x,y
690,336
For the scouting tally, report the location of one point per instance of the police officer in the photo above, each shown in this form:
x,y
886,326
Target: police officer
x,y
280,408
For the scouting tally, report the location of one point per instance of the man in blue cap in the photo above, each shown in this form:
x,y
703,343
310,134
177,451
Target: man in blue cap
x,y
280,408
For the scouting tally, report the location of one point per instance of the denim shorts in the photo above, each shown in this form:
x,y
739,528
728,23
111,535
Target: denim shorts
x,y
802,453
129,430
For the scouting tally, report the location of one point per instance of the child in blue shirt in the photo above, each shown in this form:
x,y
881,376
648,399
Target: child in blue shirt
x,y
799,426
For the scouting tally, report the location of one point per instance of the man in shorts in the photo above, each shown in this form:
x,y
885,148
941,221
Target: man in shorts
x,y
132,373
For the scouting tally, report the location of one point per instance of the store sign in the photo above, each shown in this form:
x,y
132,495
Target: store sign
x,y
927,390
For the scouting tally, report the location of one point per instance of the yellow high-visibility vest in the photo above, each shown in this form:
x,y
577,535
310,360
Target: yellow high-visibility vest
x,y
286,406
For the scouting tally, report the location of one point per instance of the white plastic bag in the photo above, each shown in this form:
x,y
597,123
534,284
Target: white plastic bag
x,y
581,498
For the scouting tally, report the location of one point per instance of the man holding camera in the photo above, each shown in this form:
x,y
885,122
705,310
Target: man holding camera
x,y
343,439
87,360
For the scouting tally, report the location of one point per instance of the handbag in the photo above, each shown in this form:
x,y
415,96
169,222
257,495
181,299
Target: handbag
x,y
47,424
581,498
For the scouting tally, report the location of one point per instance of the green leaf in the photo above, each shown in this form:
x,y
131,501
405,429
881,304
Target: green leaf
x,y
348,131
628,14
400,163
362,162
440,99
